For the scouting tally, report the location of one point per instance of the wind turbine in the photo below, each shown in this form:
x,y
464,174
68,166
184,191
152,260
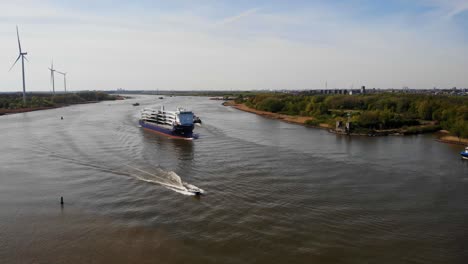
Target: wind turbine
x,y
64,79
22,56
52,76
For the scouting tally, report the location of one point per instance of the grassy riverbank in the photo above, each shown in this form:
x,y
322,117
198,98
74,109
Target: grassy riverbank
x,y
374,115
312,122
13,103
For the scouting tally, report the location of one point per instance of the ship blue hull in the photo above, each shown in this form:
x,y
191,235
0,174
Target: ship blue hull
x,y
464,155
182,132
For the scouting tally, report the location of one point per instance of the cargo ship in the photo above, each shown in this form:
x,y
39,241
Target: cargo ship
x,y
175,124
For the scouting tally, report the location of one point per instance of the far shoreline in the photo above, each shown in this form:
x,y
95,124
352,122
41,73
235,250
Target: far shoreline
x,y
64,103
441,136
24,110
33,109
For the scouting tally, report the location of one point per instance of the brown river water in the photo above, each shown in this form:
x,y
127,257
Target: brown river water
x,y
275,192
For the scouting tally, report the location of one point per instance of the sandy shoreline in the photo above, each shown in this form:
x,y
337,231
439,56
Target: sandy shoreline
x,y
299,120
444,137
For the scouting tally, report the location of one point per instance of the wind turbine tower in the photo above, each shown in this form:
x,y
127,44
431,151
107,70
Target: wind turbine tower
x,y
52,77
64,79
22,56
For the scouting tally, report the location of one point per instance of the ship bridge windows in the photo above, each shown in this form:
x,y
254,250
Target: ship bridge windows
x,y
186,119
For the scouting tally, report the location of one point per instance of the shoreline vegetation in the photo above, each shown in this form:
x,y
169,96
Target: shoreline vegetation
x,y
293,119
13,103
366,115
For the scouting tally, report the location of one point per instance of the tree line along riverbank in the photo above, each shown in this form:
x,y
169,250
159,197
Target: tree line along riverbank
x,y
372,114
13,102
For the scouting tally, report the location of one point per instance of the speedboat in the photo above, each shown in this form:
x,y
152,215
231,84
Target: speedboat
x,y
464,154
193,189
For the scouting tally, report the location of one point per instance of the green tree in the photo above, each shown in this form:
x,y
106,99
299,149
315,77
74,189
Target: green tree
x,y
425,110
273,105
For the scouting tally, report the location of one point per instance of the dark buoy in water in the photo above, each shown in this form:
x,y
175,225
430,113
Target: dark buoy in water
x,y
61,200
61,117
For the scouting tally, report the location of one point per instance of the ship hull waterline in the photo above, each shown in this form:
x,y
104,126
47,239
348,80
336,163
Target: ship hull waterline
x,y
166,132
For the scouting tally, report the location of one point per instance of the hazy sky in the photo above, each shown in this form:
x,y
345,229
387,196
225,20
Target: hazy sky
x,y
242,44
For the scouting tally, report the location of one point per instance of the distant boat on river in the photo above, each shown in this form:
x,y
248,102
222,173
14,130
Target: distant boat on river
x,y
464,154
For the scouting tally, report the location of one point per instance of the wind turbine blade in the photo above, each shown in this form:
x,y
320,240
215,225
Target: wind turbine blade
x,y
59,72
15,62
17,34
25,58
